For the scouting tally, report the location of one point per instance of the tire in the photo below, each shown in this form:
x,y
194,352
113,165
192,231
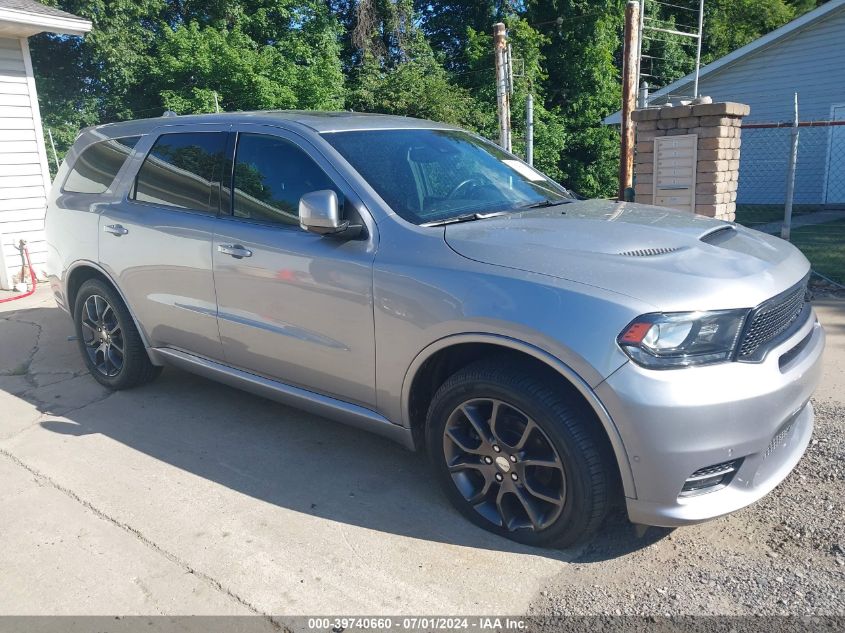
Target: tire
x,y
108,339
559,468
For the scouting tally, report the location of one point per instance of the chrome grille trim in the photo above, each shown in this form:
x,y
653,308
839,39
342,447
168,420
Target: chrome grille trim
x,y
716,469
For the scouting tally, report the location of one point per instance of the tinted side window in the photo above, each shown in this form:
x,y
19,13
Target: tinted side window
x,y
95,169
271,175
183,170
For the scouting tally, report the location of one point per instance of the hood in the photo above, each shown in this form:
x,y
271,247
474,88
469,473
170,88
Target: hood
x,y
671,259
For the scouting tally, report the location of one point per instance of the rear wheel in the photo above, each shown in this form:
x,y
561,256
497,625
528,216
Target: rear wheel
x,y
108,339
518,455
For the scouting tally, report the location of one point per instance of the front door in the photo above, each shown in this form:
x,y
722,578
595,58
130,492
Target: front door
x,y
157,240
292,306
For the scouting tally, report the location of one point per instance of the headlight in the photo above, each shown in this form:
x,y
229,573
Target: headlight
x,y
682,339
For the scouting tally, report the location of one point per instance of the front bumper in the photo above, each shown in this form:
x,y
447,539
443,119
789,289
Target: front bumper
x,y
676,422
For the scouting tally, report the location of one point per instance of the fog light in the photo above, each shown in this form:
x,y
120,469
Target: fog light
x,y
711,478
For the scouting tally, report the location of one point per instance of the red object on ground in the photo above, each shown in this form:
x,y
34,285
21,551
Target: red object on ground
x,y
32,280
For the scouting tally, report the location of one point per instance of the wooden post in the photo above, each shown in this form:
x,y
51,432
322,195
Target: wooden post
x,y
629,96
500,45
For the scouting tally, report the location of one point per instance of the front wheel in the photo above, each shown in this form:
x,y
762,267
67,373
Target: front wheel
x,y
108,339
518,455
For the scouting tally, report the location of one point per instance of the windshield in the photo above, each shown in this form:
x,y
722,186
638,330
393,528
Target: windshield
x,y
433,175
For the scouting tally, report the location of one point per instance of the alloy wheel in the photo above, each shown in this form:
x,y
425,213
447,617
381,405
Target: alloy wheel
x,y
504,465
102,336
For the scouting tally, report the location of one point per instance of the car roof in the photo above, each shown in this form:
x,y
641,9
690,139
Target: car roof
x,y
321,122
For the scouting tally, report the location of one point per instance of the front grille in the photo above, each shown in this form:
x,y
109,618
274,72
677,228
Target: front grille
x,y
770,320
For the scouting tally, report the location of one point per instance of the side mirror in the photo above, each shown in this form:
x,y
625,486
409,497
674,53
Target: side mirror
x,y
319,213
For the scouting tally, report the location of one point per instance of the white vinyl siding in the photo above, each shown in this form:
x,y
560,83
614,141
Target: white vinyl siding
x,y
23,177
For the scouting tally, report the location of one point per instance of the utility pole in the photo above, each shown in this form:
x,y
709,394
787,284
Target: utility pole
x,y
640,27
629,95
698,48
529,129
53,147
500,47
216,105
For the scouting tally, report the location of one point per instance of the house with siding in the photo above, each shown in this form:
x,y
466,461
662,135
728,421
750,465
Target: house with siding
x,y
24,175
807,57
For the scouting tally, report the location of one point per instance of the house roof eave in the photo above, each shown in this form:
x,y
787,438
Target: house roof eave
x,y
26,23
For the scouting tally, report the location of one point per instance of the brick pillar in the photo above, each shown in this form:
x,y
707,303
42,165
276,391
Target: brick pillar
x,y
717,127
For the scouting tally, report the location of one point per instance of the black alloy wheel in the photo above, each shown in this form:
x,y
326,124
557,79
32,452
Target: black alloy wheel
x,y
504,465
519,453
108,338
102,336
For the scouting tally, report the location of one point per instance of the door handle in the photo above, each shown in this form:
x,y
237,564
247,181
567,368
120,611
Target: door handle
x,y
235,250
115,229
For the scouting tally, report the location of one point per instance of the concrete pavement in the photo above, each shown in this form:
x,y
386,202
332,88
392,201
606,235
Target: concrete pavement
x,y
235,503
187,497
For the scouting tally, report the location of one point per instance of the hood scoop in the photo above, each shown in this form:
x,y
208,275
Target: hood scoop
x,y
716,235
650,252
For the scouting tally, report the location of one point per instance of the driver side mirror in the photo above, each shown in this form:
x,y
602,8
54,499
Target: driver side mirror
x,y
319,212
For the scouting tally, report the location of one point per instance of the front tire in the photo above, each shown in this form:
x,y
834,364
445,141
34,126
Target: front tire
x,y
108,339
519,455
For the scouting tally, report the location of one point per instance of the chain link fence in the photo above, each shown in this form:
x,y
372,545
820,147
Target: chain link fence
x,y
765,169
816,168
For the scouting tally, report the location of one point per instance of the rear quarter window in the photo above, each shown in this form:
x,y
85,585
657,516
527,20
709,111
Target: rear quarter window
x,y
95,169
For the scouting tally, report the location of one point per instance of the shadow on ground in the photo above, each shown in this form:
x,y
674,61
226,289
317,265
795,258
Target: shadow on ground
x,y
289,458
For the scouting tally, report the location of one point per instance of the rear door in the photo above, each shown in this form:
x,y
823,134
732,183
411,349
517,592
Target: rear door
x,y
293,306
157,239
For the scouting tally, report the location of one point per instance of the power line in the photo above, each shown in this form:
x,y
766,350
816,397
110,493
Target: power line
x,y
669,23
665,41
674,6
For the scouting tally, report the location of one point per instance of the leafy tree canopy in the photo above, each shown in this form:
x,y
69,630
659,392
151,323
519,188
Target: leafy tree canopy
x,y
423,58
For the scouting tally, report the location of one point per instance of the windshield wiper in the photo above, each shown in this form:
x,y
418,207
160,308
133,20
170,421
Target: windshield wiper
x,y
467,217
545,203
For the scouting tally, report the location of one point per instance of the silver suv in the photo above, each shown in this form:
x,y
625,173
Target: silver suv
x,y
550,354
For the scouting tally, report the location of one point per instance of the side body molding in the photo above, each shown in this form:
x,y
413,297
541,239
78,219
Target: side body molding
x,y
318,404
561,368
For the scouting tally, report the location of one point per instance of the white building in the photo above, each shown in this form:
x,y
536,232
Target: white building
x,y
24,176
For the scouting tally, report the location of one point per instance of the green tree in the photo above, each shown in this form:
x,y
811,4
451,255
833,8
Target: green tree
x,y
84,81
396,71
583,85
425,58
194,62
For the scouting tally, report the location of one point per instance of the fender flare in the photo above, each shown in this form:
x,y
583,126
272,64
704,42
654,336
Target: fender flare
x,y
87,263
555,363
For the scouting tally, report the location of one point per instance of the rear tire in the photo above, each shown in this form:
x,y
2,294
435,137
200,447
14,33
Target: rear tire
x,y
518,455
108,339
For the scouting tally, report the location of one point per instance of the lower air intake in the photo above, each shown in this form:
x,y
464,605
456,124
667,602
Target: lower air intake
x,y
710,478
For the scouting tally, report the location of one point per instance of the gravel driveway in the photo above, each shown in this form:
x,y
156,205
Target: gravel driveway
x,y
782,556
